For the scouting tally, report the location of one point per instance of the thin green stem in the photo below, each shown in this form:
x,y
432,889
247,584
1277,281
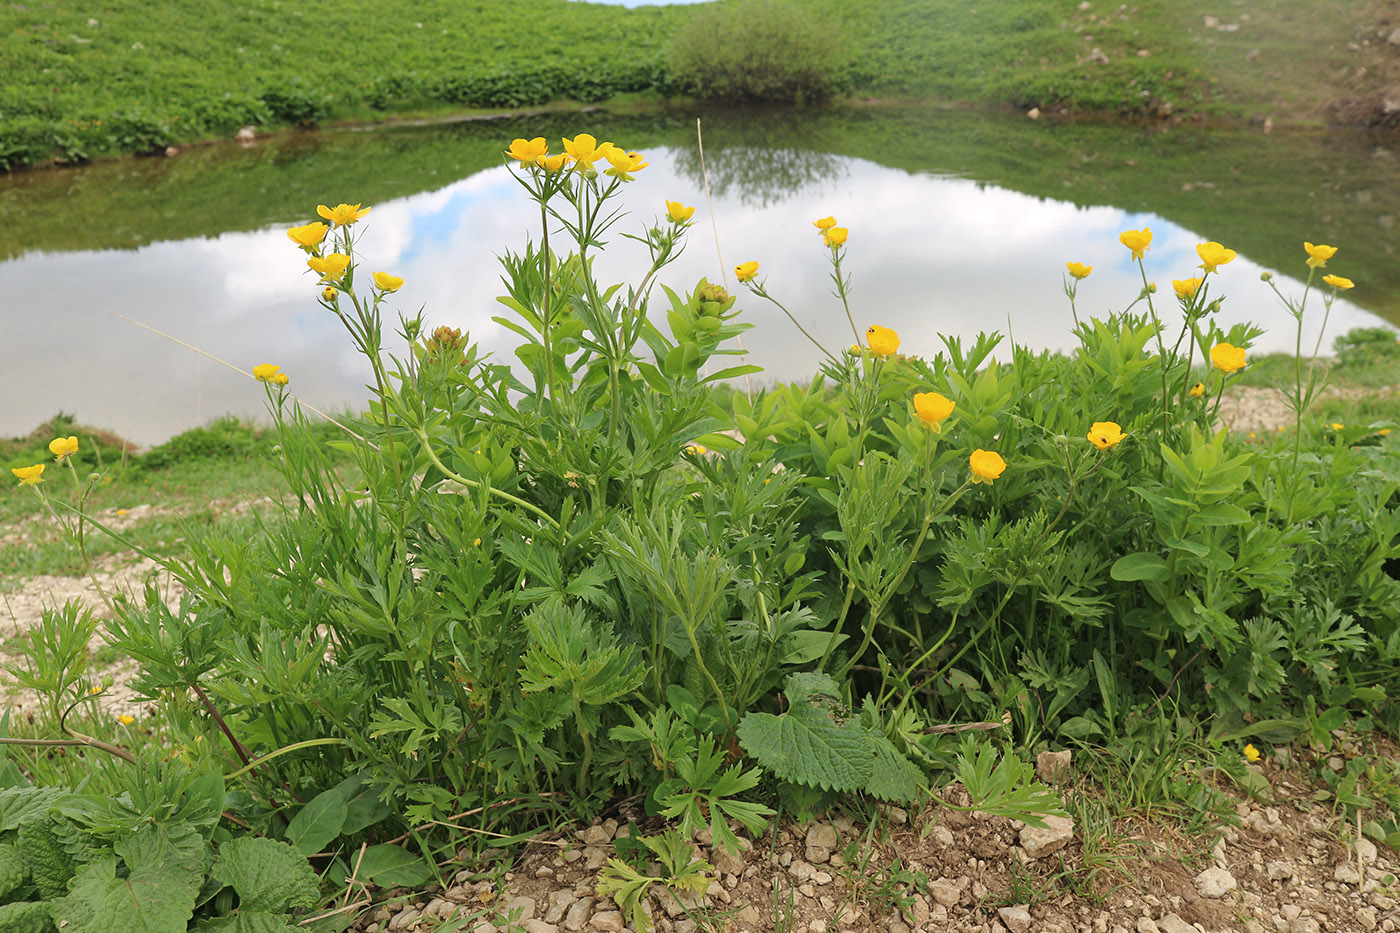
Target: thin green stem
x,y
473,484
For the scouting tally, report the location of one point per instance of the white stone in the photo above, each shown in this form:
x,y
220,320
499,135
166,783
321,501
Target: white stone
x,y
1215,882
1017,918
1172,923
606,921
821,842
1054,836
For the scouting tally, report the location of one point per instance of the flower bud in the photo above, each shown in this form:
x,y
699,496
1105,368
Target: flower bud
x,y
108,680
328,295
1266,276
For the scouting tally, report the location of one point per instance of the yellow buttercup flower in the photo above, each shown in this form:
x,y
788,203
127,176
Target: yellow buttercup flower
x,y
836,236
1197,390
126,720
1079,270
1136,240
1227,358
266,372
386,282
1213,254
882,340
986,465
746,271
1104,434
1338,426
932,408
528,151
678,212
584,150
1337,281
62,447
308,235
1186,288
342,215
1319,254
30,475
554,163
1251,754
280,379
624,163
331,268
825,224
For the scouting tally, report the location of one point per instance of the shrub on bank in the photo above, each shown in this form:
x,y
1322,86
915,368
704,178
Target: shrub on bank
x,y
578,575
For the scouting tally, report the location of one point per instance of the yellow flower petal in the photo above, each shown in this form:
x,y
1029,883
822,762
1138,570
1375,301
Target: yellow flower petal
x,y
331,268
932,408
746,271
1213,254
386,282
835,237
825,224
1104,434
30,475
308,235
1197,390
1337,281
266,372
1136,240
1227,358
342,215
881,340
1319,254
1251,754
678,212
528,151
986,465
62,447
1079,270
1186,288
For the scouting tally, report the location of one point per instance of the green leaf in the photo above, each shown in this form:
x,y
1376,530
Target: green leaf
x,y
268,875
150,900
391,866
892,776
246,922
806,746
1140,566
20,804
318,822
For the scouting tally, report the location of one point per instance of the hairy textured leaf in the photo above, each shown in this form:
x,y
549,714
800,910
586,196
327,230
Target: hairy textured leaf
x,y
892,776
150,900
805,746
168,847
268,875
246,922
20,804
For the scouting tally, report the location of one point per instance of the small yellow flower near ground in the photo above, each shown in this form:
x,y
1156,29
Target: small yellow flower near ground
x,y
1197,390
1337,281
266,372
1251,754
1319,254
328,294
584,150
882,340
1104,434
476,543
932,408
986,465
1186,288
528,151
1227,358
62,447
121,512
696,449
836,236
555,162
744,272
1079,270
30,475
825,224
308,235
386,282
1213,254
1383,432
331,268
342,215
1337,426
1136,240
126,720
678,213
624,163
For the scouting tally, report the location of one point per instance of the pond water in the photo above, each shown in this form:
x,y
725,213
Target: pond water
x,y
959,223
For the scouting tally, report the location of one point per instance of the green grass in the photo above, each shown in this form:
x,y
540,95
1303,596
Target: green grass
x,y
210,479
130,77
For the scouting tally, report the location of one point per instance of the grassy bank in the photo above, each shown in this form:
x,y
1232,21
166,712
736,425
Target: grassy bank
x,y
138,78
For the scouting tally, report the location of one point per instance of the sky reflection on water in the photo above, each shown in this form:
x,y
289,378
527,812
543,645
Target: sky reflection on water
x,y
928,255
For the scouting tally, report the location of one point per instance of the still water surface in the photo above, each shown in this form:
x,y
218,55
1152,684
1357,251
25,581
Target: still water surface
x,y
935,248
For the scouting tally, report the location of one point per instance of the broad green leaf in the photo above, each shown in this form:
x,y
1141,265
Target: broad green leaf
x,y
805,746
18,804
149,900
246,922
1140,566
268,875
318,822
390,866
892,776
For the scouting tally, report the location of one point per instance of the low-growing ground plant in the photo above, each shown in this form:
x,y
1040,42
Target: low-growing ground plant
x,y
594,570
